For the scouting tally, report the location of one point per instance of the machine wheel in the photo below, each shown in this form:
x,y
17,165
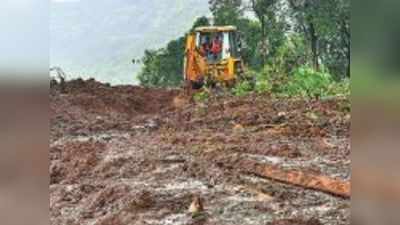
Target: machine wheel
x,y
196,84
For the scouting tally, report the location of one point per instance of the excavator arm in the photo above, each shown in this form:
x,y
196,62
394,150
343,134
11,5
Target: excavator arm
x,y
195,63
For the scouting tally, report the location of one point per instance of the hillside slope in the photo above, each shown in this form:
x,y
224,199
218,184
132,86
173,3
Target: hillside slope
x,y
102,36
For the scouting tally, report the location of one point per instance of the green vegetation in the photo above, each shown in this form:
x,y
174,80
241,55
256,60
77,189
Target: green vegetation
x,y
242,88
262,86
164,67
307,82
201,96
291,47
303,82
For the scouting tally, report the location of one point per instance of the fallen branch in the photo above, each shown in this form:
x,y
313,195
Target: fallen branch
x,y
298,178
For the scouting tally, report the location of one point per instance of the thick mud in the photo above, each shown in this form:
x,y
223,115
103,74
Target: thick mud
x,y
131,155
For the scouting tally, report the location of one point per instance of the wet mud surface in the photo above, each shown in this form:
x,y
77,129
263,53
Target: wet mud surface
x,y
131,155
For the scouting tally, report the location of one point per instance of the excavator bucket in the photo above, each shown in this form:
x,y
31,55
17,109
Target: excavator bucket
x,y
195,64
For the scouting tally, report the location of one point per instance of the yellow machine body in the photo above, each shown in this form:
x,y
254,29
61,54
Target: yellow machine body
x,y
200,69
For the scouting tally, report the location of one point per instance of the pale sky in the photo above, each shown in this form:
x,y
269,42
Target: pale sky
x,y
65,0
25,37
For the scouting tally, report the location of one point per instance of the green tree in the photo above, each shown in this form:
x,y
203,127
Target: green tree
x,y
278,41
201,21
250,37
263,9
288,56
326,25
336,44
226,12
305,13
164,67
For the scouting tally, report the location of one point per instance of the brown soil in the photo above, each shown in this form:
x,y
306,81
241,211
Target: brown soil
x,y
295,222
132,155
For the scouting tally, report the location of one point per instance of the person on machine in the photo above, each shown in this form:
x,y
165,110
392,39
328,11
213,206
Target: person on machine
x,y
216,48
205,47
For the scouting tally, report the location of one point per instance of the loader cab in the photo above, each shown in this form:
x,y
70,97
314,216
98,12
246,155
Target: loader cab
x,y
227,35
204,63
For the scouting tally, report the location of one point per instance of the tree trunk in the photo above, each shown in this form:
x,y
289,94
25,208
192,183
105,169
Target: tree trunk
x,y
347,38
314,47
348,61
263,37
261,17
299,178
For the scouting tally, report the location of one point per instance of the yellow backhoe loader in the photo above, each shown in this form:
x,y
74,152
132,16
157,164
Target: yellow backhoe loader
x,y
212,57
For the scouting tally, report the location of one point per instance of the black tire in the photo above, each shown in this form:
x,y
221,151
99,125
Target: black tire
x,y
197,85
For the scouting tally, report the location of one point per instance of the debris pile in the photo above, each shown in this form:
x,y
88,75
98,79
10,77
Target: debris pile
x,y
128,155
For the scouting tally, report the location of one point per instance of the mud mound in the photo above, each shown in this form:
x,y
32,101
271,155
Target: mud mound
x,y
74,160
101,99
292,118
80,107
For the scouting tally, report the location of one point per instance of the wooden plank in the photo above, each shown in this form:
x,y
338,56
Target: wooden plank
x,y
298,178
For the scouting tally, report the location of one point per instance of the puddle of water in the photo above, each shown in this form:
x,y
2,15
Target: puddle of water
x,y
321,208
186,185
113,156
164,169
238,198
174,219
97,137
266,159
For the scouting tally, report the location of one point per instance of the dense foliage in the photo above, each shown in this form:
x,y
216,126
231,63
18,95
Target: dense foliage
x,y
164,67
300,46
304,82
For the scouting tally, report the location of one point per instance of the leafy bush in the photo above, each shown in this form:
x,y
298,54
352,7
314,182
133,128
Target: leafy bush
x,y
262,86
291,54
243,88
341,88
262,83
201,96
306,82
303,82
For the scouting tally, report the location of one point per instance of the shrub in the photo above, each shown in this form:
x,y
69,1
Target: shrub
x,y
201,96
303,82
243,88
306,82
262,86
291,54
341,88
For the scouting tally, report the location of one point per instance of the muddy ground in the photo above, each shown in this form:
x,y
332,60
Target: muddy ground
x,y
131,155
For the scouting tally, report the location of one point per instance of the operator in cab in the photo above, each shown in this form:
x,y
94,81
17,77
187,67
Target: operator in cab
x,y
205,47
216,47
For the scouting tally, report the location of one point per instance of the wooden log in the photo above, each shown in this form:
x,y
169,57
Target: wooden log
x,y
298,178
